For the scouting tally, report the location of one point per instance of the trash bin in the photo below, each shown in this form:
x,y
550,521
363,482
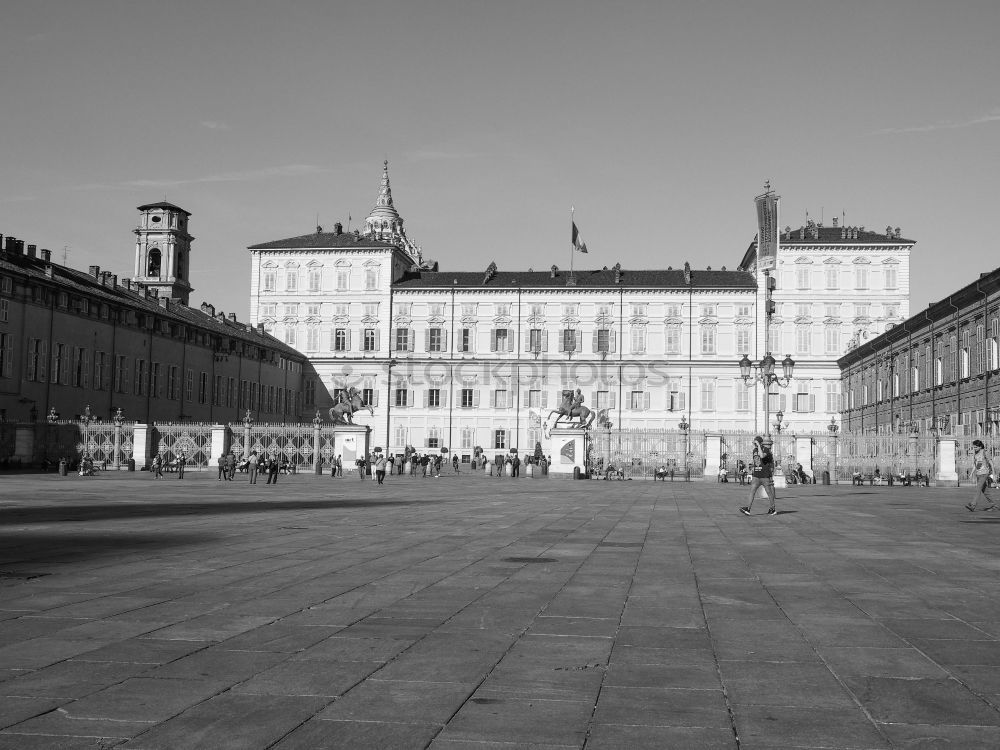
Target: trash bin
x,y
826,477
131,464
62,467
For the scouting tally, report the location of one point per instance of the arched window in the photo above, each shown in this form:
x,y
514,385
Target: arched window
x,y
153,264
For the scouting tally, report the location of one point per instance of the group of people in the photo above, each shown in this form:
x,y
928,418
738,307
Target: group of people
x,y
161,462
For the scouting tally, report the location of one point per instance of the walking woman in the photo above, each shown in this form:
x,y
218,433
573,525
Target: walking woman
x,y
763,476
983,471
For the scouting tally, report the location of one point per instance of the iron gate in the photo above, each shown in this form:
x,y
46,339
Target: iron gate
x,y
637,453
290,442
193,439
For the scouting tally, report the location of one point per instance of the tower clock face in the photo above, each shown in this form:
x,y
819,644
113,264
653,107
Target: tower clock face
x,y
156,219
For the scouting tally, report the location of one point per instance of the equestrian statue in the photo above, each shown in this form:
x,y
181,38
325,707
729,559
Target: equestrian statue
x,y
572,408
350,402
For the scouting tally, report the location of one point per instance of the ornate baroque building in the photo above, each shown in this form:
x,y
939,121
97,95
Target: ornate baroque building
x,y
460,359
937,370
70,339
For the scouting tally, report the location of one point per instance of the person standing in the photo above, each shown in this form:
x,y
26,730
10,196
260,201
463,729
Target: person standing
x,y
454,462
222,467
983,469
181,461
515,466
763,476
252,467
272,469
380,463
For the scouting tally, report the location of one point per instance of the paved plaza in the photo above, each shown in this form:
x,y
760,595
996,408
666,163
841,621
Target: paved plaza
x,y
471,613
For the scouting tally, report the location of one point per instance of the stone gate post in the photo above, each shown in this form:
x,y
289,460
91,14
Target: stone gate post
x,y
317,458
142,441
713,457
804,453
947,465
118,419
220,442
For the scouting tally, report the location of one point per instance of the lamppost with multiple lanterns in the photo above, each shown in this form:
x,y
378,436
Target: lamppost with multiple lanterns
x,y
763,372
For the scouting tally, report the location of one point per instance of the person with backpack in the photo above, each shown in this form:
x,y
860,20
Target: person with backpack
x,y
272,469
983,470
763,476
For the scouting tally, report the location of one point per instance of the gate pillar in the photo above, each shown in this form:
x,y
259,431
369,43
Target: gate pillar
x,y
350,442
568,448
947,473
317,444
713,457
220,441
24,443
142,440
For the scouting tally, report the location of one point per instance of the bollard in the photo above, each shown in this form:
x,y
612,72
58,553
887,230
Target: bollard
x,y
576,472
826,477
131,464
62,467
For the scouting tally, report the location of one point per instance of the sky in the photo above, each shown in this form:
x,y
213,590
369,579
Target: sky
x,y
658,121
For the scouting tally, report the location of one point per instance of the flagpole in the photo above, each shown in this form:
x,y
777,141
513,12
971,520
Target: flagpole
x,y
572,249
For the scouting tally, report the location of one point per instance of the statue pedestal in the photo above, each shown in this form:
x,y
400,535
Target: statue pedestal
x,y
946,475
351,442
568,448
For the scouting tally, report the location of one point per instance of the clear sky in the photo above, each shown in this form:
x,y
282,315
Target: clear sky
x,y
658,120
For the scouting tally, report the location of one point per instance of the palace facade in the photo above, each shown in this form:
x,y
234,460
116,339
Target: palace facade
x,y
71,339
934,371
461,359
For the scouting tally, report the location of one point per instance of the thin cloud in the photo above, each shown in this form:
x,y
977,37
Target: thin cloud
x,y
992,116
250,175
19,199
214,125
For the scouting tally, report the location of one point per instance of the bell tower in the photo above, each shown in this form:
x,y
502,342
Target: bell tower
x,y
163,250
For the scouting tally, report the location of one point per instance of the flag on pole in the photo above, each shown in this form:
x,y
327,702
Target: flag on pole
x,y
577,240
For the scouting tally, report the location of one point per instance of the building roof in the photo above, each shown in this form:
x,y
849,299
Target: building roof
x,y
585,279
81,283
325,241
164,204
848,236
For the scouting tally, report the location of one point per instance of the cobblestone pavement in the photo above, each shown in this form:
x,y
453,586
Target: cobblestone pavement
x,y
469,613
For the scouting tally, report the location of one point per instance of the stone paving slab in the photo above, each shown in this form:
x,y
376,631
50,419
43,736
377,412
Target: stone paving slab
x,y
470,613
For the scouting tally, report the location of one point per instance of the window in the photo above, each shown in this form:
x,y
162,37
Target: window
x,y
370,340
216,390
603,340
673,311
433,437
980,349
639,310
269,310
637,400
742,396
965,363
292,310
499,439
773,343
231,393
892,310
890,278
343,278
4,310
189,385
173,387
802,339
341,310
831,310
434,339
6,355
802,310
568,340
402,397
571,310
312,310
895,384
534,399
832,278
831,339
308,393
292,281
465,340
744,310
340,339
468,308
315,279
602,400
290,335
638,339
743,333
915,377
537,311
203,388
121,374
708,339
604,311
469,399
80,367
535,340
434,399
139,384
674,339
500,399
402,339
467,438
862,310
861,277
832,396
802,278
371,279
501,340
677,400
708,395
58,362
312,338
369,309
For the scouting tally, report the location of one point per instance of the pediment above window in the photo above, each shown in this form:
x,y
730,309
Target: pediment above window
x,y
314,264
673,321
534,321
890,262
502,320
831,321
292,264
372,264
803,260
370,319
803,320
469,319
861,260
570,321
436,319
342,263
833,261
744,321
402,320
270,264
708,322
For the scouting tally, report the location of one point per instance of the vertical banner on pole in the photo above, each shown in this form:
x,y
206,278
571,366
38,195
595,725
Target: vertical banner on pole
x,y
767,230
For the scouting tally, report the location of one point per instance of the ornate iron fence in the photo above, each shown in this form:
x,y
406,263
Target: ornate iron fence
x,y
193,439
890,454
638,453
290,442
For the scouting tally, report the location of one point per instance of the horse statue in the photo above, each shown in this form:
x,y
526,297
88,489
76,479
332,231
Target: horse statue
x,y
572,408
343,411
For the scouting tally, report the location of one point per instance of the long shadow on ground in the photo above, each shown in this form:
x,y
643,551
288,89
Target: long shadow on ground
x,y
111,511
23,549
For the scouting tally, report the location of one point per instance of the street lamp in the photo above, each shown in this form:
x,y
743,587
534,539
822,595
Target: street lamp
x,y
765,374
684,426
86,419
778,426
832,427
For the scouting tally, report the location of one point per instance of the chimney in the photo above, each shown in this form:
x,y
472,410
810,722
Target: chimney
x,y
221,317
835,222
888,232
260,328
114,281
94,271
127,283
164,302
46,254
338,228
232,317
32,250
554,271
897,233
618,273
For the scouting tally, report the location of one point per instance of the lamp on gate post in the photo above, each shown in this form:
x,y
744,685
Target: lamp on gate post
x,y
684,427
832,427
86,419
778,424
763,372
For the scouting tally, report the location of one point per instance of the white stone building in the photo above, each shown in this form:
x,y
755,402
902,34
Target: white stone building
x,y
481,358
